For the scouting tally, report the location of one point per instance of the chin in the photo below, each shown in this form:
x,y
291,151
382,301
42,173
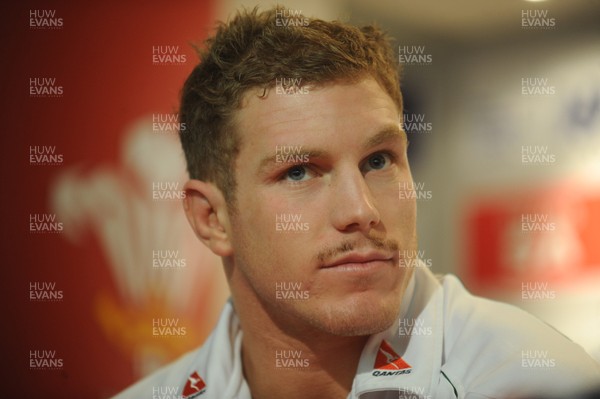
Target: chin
x,y
361,314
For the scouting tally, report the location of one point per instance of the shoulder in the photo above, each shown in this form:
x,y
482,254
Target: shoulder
x,y
190,371
492,347
168,379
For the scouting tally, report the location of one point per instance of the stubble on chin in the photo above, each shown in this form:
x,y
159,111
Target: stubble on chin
x,y
355,319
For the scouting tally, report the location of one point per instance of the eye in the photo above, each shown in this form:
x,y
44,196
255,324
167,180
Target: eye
x,y
296,173
377,161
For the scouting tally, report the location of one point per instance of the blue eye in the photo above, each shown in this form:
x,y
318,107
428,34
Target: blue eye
x,y
377,161
296,173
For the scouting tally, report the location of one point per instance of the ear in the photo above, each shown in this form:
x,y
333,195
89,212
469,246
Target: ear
x,y
207,213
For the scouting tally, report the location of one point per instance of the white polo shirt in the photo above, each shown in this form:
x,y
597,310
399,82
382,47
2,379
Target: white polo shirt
x,y
446,344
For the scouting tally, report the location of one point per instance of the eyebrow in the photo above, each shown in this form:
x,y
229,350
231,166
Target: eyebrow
x,y
387,133
268,161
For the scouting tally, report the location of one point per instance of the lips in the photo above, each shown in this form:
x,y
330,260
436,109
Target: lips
x,y
358,258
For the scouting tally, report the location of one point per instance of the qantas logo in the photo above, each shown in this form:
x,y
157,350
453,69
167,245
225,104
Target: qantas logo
x,y
388,362
194,386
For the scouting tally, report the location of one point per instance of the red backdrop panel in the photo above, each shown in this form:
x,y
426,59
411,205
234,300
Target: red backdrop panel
x,y
101,57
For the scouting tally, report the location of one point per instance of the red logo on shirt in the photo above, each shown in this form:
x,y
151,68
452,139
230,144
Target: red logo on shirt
x,y
387,359
194,386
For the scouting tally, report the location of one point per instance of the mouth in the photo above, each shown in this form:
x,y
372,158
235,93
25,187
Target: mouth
x,y
357,261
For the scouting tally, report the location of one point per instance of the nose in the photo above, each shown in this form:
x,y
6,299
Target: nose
x,y
353,207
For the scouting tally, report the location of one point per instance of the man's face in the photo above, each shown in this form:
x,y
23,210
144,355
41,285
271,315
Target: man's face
x,y
319,229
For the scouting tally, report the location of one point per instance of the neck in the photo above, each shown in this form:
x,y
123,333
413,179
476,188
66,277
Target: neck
x,y
291,362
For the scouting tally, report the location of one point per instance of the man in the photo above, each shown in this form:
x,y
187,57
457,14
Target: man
x,y
297,161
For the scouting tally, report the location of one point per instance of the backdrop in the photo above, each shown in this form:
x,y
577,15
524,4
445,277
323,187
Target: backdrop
x,y
102,283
